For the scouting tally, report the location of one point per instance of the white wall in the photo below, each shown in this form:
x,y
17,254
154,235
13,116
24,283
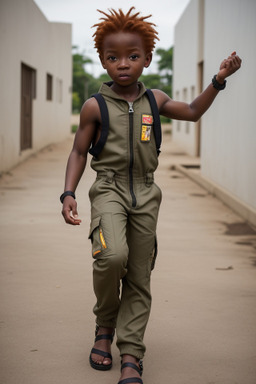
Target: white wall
x,y
228,128
228,134
187,54
27,37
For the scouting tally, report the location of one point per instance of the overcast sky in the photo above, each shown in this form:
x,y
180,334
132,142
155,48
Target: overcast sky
x,y
82,14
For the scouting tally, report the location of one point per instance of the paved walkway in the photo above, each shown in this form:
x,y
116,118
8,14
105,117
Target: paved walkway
x,y
202,328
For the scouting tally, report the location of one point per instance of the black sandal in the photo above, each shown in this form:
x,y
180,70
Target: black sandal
x,y
132,379
101,367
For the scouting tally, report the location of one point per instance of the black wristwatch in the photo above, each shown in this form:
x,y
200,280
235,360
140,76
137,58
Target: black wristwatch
x,y
67,193
217,85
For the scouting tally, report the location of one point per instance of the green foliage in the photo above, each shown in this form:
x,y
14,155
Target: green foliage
x,y
104,78
165,120
80,80
166,58
84,84
165,67
76,102
74,128
152,81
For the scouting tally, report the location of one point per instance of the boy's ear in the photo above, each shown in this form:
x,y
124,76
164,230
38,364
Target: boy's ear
x,y
148,60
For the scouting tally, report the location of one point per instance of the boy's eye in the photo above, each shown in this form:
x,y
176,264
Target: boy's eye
x,y
134,57
111,58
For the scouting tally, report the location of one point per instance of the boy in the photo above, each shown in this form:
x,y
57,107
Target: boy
x,y
124,198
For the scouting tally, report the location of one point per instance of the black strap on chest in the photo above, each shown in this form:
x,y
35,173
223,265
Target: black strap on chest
x,y
97,148
156,119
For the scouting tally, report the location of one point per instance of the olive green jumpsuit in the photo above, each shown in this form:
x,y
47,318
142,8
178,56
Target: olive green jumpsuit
x,y
124,210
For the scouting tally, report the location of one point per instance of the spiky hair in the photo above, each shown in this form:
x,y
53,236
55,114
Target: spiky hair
x,y
119,22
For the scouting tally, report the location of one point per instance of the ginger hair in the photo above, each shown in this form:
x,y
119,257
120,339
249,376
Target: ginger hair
x,y
119,22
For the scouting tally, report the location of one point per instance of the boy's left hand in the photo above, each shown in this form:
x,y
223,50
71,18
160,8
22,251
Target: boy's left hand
x,y
228,67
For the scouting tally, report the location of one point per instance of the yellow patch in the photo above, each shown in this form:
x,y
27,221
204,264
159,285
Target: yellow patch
x,y
145,132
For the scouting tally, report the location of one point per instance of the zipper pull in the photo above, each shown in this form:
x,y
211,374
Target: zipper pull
x,y
130,106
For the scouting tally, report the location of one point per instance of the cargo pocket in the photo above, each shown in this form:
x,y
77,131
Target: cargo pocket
x,y
97,238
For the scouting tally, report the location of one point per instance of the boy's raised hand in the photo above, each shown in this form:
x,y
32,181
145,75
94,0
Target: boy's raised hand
x,y
228,67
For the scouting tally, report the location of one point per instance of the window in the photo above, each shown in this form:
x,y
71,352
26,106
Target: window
x,y
49,83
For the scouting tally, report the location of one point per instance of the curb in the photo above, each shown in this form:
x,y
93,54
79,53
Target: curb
x,y
245,211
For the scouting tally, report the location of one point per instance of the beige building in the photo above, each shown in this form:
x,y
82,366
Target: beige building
x,y
35,83
225,138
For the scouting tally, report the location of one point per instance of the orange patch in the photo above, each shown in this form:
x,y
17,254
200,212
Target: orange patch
x,y
147,119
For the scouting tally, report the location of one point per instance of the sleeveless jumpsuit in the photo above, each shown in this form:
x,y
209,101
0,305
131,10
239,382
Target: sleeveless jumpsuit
x,y
124,210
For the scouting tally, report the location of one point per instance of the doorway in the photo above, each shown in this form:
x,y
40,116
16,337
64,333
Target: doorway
x,y
28,93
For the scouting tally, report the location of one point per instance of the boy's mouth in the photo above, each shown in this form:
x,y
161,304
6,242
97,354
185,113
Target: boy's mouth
x,y
124,76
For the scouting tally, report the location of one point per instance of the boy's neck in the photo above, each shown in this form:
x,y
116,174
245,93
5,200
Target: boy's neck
x,y
128,93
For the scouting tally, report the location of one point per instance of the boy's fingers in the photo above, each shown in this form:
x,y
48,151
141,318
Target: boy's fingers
x,y
74,212
75,220
238,60
69,218
74,217
70,213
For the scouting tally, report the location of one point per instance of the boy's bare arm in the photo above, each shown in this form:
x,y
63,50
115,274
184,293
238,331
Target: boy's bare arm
x,y
193,112
87,130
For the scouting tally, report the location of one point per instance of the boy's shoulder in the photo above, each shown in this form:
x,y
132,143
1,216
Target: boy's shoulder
x,y
90,110
90,105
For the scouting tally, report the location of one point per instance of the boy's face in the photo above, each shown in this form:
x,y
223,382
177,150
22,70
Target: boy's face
x,y
124,57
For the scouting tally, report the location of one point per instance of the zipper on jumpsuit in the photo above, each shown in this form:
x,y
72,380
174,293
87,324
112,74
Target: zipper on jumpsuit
x,y
131,111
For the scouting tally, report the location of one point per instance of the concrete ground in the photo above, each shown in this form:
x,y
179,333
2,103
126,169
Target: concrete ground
x,y
202,328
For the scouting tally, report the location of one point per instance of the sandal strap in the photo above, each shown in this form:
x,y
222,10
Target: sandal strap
x,y
131,380
106,337
133,366
101,353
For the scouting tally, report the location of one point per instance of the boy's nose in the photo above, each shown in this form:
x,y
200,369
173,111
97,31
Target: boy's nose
x,y
123,63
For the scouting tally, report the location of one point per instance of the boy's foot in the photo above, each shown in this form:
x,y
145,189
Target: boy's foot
x,y
100,357
132,370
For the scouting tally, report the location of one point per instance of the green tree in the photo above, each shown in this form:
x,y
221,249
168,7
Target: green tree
x,y
165,68
163,79
80,80
152,81
75,102
166,58
84,84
